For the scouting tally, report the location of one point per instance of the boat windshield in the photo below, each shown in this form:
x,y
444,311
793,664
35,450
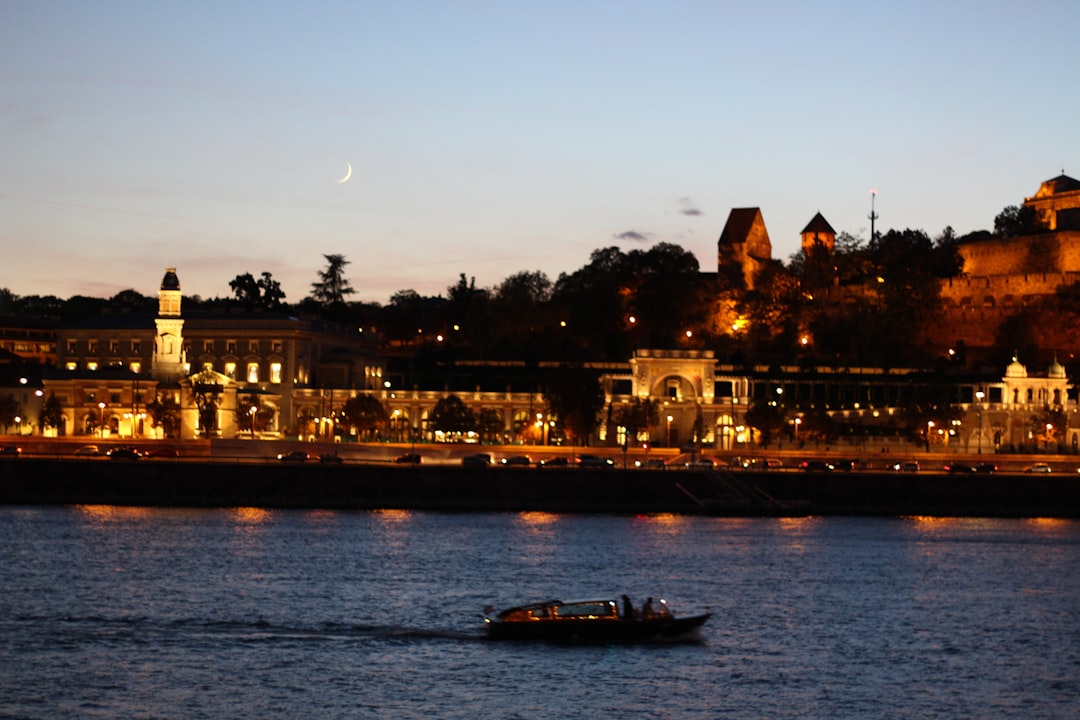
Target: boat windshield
x,y
599,609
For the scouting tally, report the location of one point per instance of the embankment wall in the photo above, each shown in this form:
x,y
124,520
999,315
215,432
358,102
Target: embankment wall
x,y
31,481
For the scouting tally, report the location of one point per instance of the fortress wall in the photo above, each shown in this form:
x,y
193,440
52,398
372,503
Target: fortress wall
x,y
1002,290
1010,256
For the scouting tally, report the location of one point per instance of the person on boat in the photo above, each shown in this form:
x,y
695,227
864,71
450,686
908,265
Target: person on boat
x,y
627,608
647,610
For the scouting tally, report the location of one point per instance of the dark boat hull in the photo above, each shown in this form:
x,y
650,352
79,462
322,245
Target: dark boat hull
x,y
600,631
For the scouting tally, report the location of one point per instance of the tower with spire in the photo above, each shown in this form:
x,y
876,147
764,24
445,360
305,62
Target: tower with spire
x,y
169,361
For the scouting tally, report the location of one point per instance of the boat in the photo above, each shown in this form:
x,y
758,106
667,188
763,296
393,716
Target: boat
x,y
602,621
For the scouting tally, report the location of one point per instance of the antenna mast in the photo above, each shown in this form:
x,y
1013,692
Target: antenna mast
x,y
873,215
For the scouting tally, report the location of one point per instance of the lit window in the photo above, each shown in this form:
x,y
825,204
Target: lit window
x,y
275,372
136,367
253,372
230,369
91,366
72,366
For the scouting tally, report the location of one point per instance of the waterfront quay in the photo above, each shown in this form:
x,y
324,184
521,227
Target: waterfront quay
x,y
235,473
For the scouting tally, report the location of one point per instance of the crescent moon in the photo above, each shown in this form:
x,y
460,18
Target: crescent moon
x,y
348,173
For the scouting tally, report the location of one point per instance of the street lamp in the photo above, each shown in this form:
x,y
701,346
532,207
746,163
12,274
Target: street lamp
x,y
929,429
979,396
252,411
798,422
101,419
669,419
18,423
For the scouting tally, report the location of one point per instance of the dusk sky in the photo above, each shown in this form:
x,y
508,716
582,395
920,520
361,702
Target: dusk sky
x,y
488,138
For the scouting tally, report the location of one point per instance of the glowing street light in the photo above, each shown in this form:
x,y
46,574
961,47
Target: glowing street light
x,y
101,419
798,422
252,411
979,396
669,419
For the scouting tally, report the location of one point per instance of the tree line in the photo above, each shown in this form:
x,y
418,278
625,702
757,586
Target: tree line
x,y
656,297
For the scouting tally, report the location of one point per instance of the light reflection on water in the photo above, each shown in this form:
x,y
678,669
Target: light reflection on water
x,y
110,612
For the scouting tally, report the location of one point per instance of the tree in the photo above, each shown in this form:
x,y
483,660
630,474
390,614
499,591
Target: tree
x,y
264,293
10,408
165,414
366,414
52,414
132,301
767,419
490,424
332,286
1018,220
640,415
272,294
249,422
574,395
246,290
452,416
1049,428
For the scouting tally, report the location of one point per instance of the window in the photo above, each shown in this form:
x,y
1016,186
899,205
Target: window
x,y
230,347
114,398
230,369
277,347
72,347
114,347
208,346
72,366
91,366
253,372
91,397
92,347
136,347
275,372
253,346
136,367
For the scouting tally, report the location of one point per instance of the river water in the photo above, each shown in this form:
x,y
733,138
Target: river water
x,y
243,613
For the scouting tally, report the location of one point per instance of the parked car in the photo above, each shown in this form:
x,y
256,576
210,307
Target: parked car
x,y
700,464
958,467
124,453
650,464
10,451
844,465
408,459
816,466
88,451
595,461
908,466
166,452
331,458
294,456
520,460
985,468
1039,468
554,462
477,460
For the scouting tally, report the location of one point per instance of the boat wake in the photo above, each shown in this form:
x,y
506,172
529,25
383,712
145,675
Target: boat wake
x,y
140,629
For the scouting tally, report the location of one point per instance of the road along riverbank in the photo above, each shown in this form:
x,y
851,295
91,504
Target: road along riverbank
x,y
49,481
